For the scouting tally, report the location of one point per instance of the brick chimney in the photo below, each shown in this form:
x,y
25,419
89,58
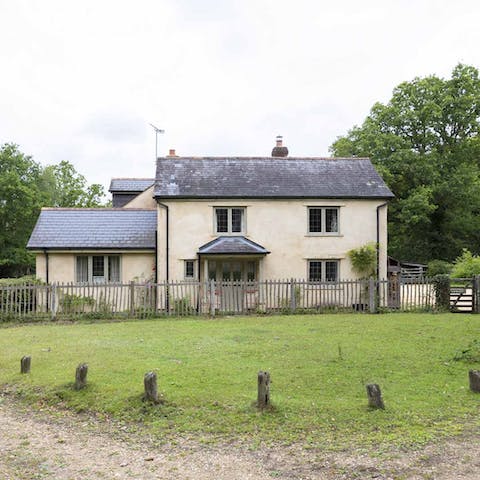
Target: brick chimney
x,y
171,153
279,150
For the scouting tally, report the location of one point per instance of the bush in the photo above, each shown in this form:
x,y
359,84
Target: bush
x,y
439,267
25,280
466,265
364,259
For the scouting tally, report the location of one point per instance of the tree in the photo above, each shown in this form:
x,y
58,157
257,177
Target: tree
x,y
425,142
25,187
68,188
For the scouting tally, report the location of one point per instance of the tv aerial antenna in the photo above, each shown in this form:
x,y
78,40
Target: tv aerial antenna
x,y
157,131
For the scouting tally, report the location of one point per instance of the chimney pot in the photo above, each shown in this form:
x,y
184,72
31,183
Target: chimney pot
x,y
171,153
279,150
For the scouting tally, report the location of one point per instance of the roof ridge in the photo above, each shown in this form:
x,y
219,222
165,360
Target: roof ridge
x,y
289,158
97,209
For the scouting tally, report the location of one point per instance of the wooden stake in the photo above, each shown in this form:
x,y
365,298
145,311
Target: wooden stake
x,y
81,376
151,391
374,396
263,398
474,376
25,364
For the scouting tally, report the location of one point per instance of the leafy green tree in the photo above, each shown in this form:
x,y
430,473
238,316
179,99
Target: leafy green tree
x,y
25,187
20,202
425,142
68,188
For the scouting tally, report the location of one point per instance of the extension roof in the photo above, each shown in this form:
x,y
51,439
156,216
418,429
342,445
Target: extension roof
x,y
130,185
268,177
232,245
94,228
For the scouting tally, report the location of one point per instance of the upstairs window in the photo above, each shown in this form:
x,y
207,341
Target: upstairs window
x,y
323,220
229,220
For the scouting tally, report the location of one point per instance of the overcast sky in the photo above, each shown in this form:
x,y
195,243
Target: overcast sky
x,y
81,81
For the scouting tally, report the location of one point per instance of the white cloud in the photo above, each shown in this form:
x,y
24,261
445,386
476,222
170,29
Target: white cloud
x,y
81,81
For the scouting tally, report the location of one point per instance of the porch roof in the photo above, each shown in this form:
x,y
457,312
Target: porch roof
x,y
232,245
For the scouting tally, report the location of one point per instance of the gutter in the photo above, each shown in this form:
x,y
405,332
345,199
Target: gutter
x,y
167,240
378,238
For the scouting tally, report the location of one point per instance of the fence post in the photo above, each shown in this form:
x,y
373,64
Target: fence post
x,y
53,306
132,298
212,297
372,308
263,394
475,294
81,376
293,302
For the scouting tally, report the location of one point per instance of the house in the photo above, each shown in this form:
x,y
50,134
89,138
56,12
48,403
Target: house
x,y
222,218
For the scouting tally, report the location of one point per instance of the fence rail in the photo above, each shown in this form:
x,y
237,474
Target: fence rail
x,y
184,298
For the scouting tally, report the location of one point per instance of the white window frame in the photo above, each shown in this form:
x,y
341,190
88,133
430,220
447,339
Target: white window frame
x,y
194,269
229,231
323,231
105,268
323,273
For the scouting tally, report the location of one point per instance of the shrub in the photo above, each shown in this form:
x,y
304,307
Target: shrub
x,y
364,259
466,265
439,267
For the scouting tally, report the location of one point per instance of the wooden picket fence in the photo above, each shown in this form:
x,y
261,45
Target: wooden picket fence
x,y
187,298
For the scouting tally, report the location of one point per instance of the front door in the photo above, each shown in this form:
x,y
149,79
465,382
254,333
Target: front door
x,y
234,283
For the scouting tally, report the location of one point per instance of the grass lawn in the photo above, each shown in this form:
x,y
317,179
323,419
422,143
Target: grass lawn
x,y
207,373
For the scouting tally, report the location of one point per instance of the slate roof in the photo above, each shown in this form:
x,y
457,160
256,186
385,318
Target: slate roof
x,y
232,245
268,177
94,228
130,185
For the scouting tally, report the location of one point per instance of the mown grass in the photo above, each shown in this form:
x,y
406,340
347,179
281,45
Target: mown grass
x,y
207,371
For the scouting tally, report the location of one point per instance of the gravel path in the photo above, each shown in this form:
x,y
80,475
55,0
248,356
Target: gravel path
x,y
39,445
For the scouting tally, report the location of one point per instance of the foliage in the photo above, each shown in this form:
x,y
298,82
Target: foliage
x,y
441,284
466,265
25,280
425,142
73,303
470,354
183,306
209,376
438,267
364,259
25,187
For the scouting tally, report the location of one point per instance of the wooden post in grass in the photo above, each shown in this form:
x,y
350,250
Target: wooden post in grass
x,y
151,391
374,396
474,376
25,363
263,397
81,376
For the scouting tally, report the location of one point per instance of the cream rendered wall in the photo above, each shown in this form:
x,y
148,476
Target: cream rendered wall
x,y
278,225
143,200
138,266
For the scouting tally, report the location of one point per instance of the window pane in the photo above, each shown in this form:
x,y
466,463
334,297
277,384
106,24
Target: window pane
x,y
188,268
237,214
82,269
314,271
331,271
98,267
236,271
222,220
251,268
226,271
315,220
114,269
331,220
212,270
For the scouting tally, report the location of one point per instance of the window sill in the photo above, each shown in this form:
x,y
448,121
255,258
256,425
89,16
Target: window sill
x,y
324,235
